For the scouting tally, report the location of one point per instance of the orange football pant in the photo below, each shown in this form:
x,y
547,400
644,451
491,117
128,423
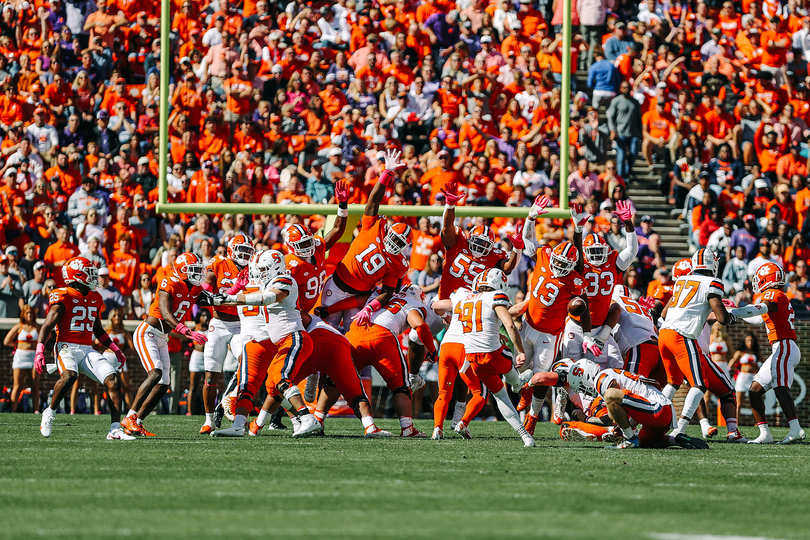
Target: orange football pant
x,y
695,366
451,358
645,360
655,419
376,346
489,367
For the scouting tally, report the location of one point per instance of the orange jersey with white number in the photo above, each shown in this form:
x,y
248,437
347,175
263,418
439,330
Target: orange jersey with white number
x,y
461,268
780,322
309,274
226,272
599,283
549,297
76,324
367,263
182,297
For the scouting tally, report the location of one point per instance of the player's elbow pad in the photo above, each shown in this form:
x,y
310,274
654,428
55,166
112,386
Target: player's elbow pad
x,y
751,310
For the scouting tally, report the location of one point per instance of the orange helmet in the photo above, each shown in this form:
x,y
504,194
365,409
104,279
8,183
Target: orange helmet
x,y
189,267
769,276
397,238
80,270
240,250
595,249
564,259
482,240
299,241
682,268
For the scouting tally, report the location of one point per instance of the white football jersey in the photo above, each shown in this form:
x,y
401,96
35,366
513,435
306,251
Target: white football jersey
x,y
629,381
705,338
480,325
394,316
634,327
275,321
455,331
318,324
689,307
572,347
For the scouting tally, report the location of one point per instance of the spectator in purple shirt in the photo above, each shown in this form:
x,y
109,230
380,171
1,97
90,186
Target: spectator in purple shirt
x,y
70,136
746,237
443,31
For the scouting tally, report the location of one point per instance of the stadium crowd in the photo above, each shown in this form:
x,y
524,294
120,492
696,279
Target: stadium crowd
x,y
277,102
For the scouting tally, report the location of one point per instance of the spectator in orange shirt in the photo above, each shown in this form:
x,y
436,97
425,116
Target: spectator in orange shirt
x,y
58,254
123,265
205,186
332,97
238,91
295,193
11,109
660,135
790,164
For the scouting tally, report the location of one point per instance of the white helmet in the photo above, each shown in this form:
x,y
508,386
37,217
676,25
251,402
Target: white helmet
x,y
582,376
415,291
493,278
704,259
266,265
562,365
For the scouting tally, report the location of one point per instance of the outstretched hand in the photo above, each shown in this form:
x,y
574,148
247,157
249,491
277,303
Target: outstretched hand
x,y
517,238
624,210
450,192
539,207
341,191
392,162
579,216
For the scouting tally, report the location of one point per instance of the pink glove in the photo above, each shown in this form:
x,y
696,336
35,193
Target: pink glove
x,y
624,210
579,217
539,207
517,238
647,302
240,282
341,191
450,191
363,317
122,358
39,358
729,303
196,337
589,345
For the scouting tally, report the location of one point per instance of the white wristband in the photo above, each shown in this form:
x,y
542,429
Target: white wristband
x,y
449,207
343,212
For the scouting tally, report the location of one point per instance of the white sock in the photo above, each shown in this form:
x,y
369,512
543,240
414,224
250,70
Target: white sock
x,y
509,412
763,429
794,426
263,416
320,415
628,433
691,403
458,412
731,424
132,413
209,419
405,422
704,423
512,378
537,405
669,391
115,425
682,423
239,421
139,421
367,422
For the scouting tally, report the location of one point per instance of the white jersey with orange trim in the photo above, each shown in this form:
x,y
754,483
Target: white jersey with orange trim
x,y
572,347
705,338
624,380
635,326
480,325
455,330
394,316
688,309
275,321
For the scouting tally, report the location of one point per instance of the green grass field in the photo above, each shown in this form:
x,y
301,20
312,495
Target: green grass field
x,y
184,485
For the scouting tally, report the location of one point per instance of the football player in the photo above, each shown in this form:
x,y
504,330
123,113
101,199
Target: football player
x,y
175,296
274,342
226,274
777,371
555,281
481,313
375,256
694,298
74,314
376,344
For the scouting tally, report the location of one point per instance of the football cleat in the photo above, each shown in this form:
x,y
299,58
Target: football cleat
x,y
309,425
525,377
767,438
528,441
219,414
233,431
625,444
794,437
568,433
254,429
525,398
462,430
709,432
736,437
413,433
417,382
130,426
438,434
206,429
529,423
377,433
685,441
118,434
227,407
145,432
613,435
560,402
47,422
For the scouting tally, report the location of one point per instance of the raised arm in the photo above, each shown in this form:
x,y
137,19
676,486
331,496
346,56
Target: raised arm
x,y
342,197
628,255
387,179
451,198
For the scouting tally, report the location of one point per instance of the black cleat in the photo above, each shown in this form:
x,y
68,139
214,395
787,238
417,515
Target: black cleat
x,y
219,413
685,441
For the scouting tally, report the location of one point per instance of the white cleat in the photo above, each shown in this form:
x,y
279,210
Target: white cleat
x,y
378,433
528,441
794,437
763,439
227,406
233,431
309,425
119,434
47,422
296,422
417,382
736,437
438,434
525,377
560,402
462,430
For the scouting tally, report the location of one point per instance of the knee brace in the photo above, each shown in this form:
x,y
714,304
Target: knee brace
x,y
403,390
728,399
290,391
358,400
284,384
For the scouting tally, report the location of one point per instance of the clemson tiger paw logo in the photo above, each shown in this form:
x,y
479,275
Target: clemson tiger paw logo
x,y
578,282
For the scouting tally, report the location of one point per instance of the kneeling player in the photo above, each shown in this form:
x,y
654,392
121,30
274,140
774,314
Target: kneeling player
x,y
74,314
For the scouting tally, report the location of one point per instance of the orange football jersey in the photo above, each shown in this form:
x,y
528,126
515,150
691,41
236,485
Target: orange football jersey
x,y
76,324
780,322
309,275
599,284
367,263
182,298
548,301
461,268
226,271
